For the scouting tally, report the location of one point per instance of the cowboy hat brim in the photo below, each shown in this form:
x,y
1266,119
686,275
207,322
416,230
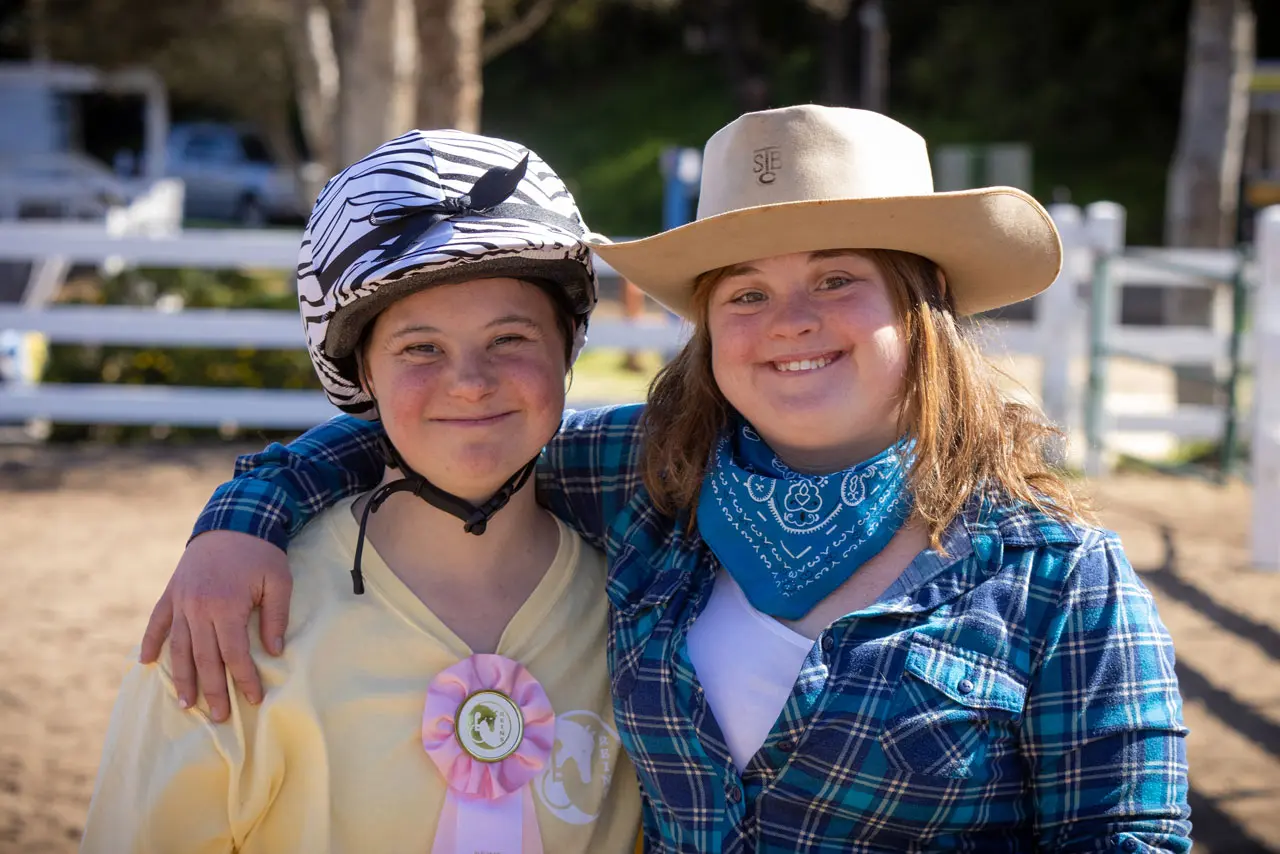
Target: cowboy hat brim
x,y
995,245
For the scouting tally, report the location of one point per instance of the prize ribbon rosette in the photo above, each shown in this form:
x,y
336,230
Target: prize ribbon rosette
x,y
489,727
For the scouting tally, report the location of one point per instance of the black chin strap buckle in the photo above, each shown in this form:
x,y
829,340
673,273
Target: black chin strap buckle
x,y
475,520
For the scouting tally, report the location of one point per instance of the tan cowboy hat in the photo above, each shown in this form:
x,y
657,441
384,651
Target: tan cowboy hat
x,y
802,179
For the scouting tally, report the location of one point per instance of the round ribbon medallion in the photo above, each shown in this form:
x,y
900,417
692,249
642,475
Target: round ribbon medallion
x,y
489,726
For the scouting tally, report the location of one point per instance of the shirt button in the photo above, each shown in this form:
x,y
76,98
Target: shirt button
x,y
733,792
828,643
786,745
1130,844
965,687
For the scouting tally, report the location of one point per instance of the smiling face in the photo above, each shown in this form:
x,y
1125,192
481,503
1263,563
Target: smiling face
x,y
469,380
810,349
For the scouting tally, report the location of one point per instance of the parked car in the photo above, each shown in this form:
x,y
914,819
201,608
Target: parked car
x,y
230,175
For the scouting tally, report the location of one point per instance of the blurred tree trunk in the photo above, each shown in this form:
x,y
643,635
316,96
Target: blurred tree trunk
x,y
316,76
450,87
368,70
356,71
453,48
378,62
1204,178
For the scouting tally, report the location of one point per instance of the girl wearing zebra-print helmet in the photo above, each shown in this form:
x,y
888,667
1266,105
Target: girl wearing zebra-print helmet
x,y
424,210
463,703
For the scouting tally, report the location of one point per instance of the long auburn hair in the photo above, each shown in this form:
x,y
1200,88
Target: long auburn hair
x,y
971,440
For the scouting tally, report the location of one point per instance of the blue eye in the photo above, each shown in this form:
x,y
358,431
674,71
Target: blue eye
x,y
747,298
423,349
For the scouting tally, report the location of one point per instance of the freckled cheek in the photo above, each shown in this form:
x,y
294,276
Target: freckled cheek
x,y
542,388
538,384
405,392
733,345
861,322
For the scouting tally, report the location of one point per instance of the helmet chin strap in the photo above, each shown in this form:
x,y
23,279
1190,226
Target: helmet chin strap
x,y
475,518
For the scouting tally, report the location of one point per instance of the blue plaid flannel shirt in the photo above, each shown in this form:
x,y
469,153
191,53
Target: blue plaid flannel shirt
x,y
1016,695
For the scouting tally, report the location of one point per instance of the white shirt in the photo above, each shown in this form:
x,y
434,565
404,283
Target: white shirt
x,y
747,662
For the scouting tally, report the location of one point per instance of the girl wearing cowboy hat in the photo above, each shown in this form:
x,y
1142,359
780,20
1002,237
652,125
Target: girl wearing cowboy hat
x,y
852,610
441,691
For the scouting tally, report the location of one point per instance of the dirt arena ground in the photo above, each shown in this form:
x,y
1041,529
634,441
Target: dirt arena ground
x,y
88,538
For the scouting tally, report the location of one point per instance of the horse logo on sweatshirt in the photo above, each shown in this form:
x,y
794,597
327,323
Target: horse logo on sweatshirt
x,y
581,767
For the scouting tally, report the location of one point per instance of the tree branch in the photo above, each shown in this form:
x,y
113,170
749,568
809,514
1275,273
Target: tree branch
x,y
519,30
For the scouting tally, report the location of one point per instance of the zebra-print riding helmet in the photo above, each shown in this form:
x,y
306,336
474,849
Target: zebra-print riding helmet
x,y
427,208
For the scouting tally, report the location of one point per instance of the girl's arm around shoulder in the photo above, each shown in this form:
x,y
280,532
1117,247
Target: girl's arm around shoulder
x,y
1103,730
591,469
279,489
221,578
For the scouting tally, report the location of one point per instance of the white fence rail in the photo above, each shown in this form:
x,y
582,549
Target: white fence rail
x,y
262,329
284,409
205,406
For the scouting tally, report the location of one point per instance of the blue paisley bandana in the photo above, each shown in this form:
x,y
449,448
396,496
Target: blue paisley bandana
x,y
790,539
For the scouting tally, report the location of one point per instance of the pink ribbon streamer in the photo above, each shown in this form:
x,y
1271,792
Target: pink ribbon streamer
x,y
489,805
